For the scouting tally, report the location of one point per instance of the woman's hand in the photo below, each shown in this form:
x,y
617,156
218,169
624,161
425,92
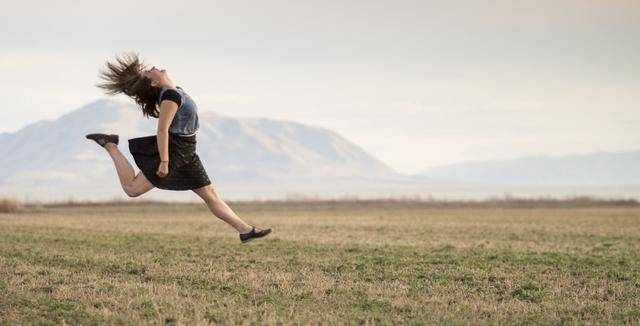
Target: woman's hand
x,y
163,169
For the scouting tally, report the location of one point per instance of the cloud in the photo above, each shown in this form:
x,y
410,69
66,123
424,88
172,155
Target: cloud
x,y
455,79
25,61
555,14
217,98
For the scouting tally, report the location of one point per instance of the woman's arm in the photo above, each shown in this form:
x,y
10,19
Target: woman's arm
x,y
167,110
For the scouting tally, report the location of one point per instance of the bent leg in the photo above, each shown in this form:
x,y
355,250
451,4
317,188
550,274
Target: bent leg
x,y
133,185
220,209
138,186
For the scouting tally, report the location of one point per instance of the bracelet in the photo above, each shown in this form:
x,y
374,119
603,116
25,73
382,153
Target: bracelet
x,y
164,161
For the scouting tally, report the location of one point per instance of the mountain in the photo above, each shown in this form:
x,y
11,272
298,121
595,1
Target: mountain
x,y
593,169
53,157
257,158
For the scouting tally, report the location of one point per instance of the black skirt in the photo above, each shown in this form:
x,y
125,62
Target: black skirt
x,y
185,169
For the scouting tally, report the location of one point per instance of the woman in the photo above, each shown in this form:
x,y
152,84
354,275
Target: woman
x,y
167,160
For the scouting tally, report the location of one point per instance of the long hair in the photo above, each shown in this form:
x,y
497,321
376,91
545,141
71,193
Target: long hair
x,y
124,75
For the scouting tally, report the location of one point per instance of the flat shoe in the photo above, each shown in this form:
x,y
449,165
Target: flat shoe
x,y
246,237
103,139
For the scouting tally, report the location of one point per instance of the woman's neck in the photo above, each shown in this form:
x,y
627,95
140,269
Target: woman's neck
x,y
167,84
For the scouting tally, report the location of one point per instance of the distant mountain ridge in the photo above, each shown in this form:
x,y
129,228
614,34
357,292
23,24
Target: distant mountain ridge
x,y
267,158
599,168
55,154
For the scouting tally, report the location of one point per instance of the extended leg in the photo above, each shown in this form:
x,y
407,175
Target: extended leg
x,y
220,209
133,185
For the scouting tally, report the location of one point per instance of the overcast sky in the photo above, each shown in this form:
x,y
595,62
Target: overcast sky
x,y
416,83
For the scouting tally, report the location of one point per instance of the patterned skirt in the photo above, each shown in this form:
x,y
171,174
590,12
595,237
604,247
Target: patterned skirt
x,y
185,169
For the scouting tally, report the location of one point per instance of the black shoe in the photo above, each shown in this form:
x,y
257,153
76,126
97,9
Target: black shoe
x,y
103,139
246,237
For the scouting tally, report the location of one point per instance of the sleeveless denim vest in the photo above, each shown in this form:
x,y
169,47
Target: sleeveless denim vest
x,y
185,122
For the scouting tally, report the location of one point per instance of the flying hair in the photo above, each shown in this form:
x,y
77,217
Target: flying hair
x,y
124,76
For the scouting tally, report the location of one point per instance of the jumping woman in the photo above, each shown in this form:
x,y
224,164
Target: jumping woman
x,y
167,160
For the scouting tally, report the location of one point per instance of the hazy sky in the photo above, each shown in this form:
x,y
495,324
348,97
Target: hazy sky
x,y
416,83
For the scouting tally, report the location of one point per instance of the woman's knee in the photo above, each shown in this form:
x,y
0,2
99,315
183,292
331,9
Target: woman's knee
x,y
132,191
138,186
211,196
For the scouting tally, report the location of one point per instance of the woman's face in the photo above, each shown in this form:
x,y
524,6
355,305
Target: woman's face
x,y
156,76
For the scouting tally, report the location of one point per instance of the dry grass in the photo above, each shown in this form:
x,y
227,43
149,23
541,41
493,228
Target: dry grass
x,y
330,262
9,205
496,202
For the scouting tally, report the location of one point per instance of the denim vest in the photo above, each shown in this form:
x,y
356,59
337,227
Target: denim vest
x,y
185,122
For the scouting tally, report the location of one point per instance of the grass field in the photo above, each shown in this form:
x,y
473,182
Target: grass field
x,y
329,262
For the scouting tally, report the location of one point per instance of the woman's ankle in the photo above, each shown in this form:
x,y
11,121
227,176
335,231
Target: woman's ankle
x,y
110,146
247,230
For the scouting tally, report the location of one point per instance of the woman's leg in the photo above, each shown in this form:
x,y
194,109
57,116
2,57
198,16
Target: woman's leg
x,y
133,185
220,209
